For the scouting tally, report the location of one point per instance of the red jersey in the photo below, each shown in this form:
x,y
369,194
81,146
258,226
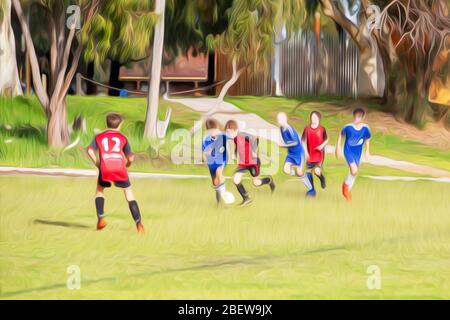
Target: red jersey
x,y
112,148
246,147
314,138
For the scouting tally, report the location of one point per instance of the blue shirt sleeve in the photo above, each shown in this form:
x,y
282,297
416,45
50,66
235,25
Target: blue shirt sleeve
x,y
368,133
127,149
94,145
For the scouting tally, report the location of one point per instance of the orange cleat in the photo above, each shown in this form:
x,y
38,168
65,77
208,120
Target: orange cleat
x,y
101,224
140,228
346,192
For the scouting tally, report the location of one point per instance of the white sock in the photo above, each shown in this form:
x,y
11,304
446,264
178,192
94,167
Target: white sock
x,y
220,189
306,181
350,181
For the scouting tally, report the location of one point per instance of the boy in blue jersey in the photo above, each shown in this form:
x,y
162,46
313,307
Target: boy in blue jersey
x,y
214,149
356,135
295,158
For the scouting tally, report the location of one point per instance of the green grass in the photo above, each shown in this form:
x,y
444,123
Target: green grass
x,y
27,137
27,141
382,144
282,247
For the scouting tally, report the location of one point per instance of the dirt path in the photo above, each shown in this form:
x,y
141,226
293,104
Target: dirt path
x,y
229,111
265,130
82,173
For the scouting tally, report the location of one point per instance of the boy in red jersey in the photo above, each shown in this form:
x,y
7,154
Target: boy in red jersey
x,y
248,160
315,139
115,157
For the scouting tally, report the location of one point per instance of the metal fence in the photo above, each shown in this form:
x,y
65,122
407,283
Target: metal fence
x,y
306,69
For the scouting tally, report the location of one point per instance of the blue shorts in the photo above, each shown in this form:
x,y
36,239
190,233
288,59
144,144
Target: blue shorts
x,y
296,160
352,158
213,168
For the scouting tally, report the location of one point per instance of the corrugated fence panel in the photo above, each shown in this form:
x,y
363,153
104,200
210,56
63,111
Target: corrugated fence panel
x,y
306,69
258,85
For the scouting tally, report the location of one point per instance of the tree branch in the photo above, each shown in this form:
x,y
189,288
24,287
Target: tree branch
x,y
35,70
330,10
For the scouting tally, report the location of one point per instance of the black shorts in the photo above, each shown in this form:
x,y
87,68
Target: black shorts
x,y
253,170
119,184
312,165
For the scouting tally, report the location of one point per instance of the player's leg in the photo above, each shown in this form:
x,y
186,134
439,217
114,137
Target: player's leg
x,y
307,180
350,181
218,181
319,173
351,178
259,182
288,169
134,208
237,180
100,207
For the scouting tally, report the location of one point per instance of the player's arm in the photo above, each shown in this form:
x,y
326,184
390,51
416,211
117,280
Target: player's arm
x,y
368,155
254,142
325,141
305,144
129,155
92,152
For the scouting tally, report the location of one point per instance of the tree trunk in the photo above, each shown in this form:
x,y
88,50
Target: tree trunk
x,y
57,129
371,69
9,75
114,78
151,120
234,78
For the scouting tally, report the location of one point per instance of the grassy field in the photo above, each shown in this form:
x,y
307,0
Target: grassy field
x,y
282,247
23,141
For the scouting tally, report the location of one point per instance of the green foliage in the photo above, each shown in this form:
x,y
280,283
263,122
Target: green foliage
x,y
189,24
120,30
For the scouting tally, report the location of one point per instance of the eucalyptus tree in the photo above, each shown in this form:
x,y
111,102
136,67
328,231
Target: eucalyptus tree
x,y
65,54
9,76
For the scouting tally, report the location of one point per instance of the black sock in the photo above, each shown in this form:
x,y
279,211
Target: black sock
x,y
99,206
266,180
134,208
322,180
242,191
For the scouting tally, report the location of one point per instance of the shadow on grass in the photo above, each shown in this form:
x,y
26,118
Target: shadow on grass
x,y
232,262
61,224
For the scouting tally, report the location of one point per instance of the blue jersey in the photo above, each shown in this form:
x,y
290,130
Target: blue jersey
x,y
291,137
354,142
216,148
295,152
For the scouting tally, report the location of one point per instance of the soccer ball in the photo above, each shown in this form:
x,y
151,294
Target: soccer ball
x,y
228,198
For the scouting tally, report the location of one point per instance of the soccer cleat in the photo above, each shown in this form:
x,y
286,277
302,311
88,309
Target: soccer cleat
x,y
311,193
140,228
246,202
346,193
101,223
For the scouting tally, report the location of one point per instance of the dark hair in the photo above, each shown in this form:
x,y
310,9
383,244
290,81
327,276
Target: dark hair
x,y
317,113
211,124
113,120
232,125
360,111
